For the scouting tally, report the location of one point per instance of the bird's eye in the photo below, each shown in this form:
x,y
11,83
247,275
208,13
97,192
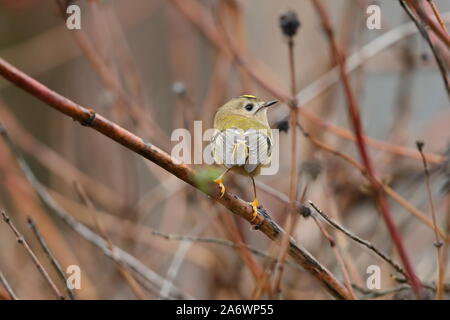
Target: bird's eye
x,y
249,107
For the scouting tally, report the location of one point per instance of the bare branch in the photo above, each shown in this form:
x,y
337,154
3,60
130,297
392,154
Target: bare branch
x,y
357,239
162,159
7,286
152,278
355,120
21,240
51,257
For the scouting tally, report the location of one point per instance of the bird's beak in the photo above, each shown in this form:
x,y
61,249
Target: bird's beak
x,y
269,103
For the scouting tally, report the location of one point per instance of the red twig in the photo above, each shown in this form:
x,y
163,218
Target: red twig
x,y
431,23
162,159
355,119
221,41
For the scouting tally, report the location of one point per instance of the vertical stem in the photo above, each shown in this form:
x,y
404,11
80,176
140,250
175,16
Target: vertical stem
x,y
355,120
438,243
293,172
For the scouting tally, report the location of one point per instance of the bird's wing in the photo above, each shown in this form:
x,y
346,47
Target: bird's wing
x,y
229,147
248,149
259,149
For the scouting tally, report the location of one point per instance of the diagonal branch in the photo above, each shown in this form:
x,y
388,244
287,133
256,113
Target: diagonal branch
x,y
21,240
423,31
51,257
355,120
435,27
182,171
151,278
7,287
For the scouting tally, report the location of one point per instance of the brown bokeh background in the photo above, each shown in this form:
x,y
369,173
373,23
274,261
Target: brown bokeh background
x,y
150,47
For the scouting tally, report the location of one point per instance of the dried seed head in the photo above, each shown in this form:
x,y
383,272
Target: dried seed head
x,y
289,23
420,145
305,211
282,125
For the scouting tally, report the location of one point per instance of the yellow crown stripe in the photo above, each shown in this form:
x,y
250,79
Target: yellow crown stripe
x,y
249,96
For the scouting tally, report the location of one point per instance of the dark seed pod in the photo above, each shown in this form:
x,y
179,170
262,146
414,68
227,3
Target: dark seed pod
x,y
289,23
420,145
305,211
282,125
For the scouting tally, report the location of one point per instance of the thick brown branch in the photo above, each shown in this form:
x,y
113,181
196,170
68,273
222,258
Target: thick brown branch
x,y
162,159
150,278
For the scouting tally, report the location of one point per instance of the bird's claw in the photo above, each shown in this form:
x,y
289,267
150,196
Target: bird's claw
x,y
254,206
219,181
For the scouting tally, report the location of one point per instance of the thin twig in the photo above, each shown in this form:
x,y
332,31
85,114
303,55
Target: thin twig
x,y
179,257
438,31
21,240
149,276
357,239
338,256
7,286
164,160
437,15
372,294
145,122
137,290
320,85
423,31
438,243
218,241
289,25
389,191
51,257
355,120
56,163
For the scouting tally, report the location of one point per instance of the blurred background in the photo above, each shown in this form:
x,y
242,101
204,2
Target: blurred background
x,y
153,66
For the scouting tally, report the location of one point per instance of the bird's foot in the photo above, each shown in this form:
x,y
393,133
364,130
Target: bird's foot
x,y
219,181
254,206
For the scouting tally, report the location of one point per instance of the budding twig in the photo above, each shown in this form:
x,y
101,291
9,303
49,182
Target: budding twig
x,y
438,243
21,240
338,256
423,31
357,239
162,159
289,24
51,257
150,278
356,123
137,290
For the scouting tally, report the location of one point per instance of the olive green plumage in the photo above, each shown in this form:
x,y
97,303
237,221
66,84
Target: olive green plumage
x,y
243,133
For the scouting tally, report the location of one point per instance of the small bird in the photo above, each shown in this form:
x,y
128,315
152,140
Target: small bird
x,y
243,142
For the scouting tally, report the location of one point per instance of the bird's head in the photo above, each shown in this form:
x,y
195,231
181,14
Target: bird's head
x,y
248,106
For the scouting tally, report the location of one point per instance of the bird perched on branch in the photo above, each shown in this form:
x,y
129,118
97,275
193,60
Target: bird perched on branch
x,y
243,141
